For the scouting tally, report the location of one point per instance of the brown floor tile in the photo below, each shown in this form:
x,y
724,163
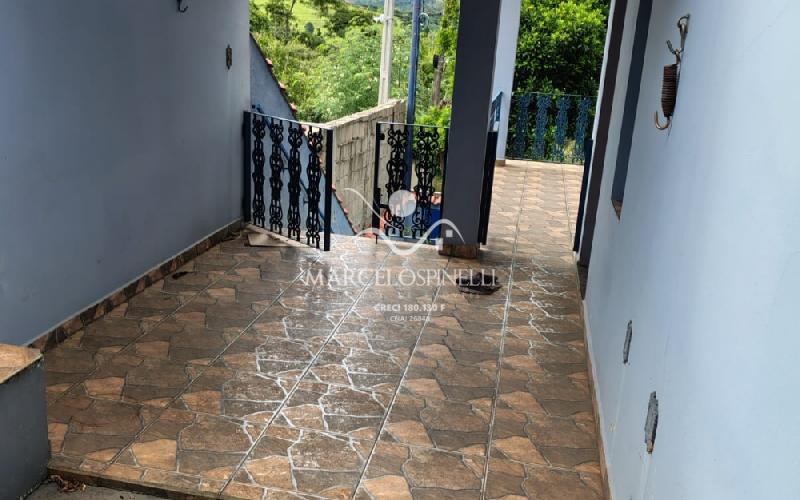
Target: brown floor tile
x,y
336,409
137,379
421,473
153,304
308,462
78,356
86,434
248,396
543,440
183,342
201,450
445,379
377,371
441,424
509,479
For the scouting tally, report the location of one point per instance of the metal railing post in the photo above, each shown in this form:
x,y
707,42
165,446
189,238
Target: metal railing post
x,y
328,189
247,133
376,190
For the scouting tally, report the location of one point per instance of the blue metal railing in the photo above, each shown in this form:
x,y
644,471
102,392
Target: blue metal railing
x,y
558,130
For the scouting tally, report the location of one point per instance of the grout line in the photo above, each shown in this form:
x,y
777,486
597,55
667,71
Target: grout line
x,y
152,327
201,368
485,479
301,376
390,406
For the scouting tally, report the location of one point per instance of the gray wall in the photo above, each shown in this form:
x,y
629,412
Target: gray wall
x,y
704,261
265,90
24,448
119,145
354,158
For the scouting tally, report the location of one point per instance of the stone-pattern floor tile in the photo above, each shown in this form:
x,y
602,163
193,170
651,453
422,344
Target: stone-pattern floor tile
x,y
360,369
286,372
80,355
441,424
432,377
194,448
137,379
507,479
248,396
271,356
337,409
86,434
544,440
305,461
400,471
154,304
183,342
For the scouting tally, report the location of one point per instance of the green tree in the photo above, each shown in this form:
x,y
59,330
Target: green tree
x,y
346,79
561,46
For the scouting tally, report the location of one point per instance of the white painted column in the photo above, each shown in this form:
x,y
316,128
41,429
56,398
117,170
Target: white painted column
x,y
505,61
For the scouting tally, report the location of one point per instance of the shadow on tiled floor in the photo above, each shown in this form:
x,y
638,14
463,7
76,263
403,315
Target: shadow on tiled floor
x,y
245,378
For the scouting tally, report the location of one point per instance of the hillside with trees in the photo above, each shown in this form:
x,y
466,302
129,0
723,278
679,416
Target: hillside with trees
x,y
327,52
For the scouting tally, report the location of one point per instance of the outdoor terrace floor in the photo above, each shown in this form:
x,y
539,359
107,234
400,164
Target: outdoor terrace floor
x,y
243,379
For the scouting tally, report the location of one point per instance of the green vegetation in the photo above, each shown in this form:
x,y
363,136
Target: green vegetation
x,y
327,52
560,46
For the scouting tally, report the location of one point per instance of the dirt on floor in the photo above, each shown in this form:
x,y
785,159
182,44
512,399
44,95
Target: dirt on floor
x,y
51,491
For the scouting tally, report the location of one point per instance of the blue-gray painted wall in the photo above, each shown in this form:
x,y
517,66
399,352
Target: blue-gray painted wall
x,y
24,448
120,145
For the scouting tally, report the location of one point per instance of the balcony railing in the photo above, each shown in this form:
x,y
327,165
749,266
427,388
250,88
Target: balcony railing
x,y
407,189
295,193
549,127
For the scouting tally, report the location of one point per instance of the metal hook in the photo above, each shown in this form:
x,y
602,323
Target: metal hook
x,y
683,25
683,30
181,8
658,122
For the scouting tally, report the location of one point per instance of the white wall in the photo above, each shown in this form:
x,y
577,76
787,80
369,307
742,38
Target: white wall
x,y
119,145
504,65
705,262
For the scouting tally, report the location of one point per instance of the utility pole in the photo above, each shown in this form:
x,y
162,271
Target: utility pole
x,y
413,62
411,110
385,88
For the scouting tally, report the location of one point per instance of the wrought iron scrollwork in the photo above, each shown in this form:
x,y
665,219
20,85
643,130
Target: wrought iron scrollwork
x,y
275,181
258,156
396,168
563,105
521,129
295,169
314,174
580,129
427,161
304,185
542,119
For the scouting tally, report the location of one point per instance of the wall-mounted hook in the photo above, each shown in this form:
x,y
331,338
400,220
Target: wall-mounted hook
x,y
181,8
672,74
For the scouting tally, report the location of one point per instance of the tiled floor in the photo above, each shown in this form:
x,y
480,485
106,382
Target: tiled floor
x,y
244,379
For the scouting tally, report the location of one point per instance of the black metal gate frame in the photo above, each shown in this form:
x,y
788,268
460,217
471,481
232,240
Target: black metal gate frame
x,y
255,128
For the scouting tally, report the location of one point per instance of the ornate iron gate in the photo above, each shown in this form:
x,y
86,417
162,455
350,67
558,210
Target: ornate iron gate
x,y
297,153
413,171
558,130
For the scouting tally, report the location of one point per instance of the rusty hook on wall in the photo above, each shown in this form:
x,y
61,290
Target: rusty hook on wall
x,y
672,75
